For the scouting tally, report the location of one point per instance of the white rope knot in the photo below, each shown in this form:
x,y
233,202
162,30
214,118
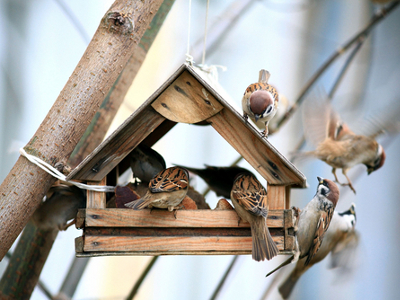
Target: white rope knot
x,y
212,70
60,176
189,59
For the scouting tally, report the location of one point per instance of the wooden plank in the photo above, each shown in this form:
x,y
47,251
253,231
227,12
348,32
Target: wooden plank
x,y
159,132
80,219
276,196
289,229
96,199
186,101
287,200
174,231
117,217
171,244
105,157
260,154
79,244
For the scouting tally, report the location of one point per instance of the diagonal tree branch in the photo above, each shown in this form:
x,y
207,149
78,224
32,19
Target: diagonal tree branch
x,y
114,42
377,17
99,125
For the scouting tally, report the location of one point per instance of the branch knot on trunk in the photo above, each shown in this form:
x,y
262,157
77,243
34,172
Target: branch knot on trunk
x,y
120,23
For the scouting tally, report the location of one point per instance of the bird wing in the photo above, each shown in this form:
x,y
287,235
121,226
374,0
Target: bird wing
x,y
343,254
261,86
321,228
320,121
169,180
251,195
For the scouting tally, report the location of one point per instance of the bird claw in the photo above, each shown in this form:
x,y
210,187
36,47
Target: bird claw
x,y
349,185
176,208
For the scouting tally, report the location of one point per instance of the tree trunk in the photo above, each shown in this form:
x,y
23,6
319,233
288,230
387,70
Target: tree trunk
x,y
26,263
112,45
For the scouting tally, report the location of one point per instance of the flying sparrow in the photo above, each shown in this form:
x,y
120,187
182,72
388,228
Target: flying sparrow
x,y
61,204
337,145
260,103
146,163
314,221
219,179
251,204
336,241
166,190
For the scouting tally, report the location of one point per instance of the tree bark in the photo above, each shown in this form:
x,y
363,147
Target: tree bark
x,y
113,44
26,263
97,129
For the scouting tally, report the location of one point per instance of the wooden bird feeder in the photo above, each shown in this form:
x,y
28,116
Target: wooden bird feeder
x,y
116,231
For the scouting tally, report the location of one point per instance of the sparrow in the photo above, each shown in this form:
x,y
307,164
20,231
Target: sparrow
x,y
260,103
314,221
219,179
146,163
336,240
166,190
61,205
250,200
337,145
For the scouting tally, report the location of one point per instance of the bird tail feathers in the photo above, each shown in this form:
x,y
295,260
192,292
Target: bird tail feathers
x,y
263,245
140,203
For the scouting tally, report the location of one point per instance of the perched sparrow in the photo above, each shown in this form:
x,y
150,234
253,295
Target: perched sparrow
x,y
260,103
337,145
314,221
219,179
166,190
146,163
61,204
336,240
251,204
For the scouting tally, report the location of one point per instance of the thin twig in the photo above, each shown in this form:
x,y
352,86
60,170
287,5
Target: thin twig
x,y
377,17
141,278
223,279
73,277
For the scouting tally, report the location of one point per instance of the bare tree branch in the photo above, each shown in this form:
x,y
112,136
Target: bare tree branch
x,y
114,42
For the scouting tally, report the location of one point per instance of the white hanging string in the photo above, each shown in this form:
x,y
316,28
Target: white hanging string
x,y
205,34
211,70
189,58
57,174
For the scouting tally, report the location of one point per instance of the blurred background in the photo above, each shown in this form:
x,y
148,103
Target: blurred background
x,y
42,41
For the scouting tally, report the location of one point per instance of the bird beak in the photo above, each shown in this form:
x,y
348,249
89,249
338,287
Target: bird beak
x,y
369,171
256,117
320,180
